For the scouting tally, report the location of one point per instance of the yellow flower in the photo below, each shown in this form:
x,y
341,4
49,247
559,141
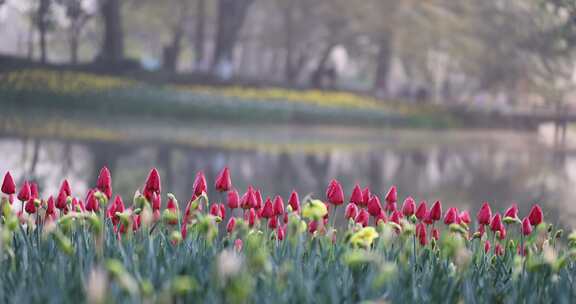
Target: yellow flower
x,y
314,209
364,237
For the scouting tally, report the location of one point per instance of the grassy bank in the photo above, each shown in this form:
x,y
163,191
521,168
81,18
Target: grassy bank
x,y
104,95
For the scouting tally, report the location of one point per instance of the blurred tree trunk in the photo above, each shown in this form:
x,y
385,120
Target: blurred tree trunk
x,y
289,69
383,64
199,35
231,16
319,72
42,21
78,19
172,51
112,49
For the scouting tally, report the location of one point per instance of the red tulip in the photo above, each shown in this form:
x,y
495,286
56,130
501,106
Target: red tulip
x,y
362,217
427,219
409,206
281,233
435,233
222,210
231,224
156,202
248,200
421,234
512,211
285,217
351,211
118,205
61,199
312,227
268,209
152,185
172,204
66,187
487,246
278,205
104,182
91,202
392,195
481,230
199,185
421,211
258,202
496,223
535,216
465,217
50,209
233,199
223,182
8,185
374,206
436,211
499,250
357,197
273,222
33,190
395,217
24,193
215,210
30,206
526,226
238,245
334,193
451,216
381,217
502,233
184,230
484,214
294,201
251,217
365,197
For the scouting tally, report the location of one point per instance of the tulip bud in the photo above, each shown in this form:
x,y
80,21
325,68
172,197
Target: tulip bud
x,y
357,197
408,207
33,190
421,211
294,201
238,245
435,234
499,250
222,211
248,200
351,211
199,185
526,227
512,211
268,209
396,217
215,210
366,195
374,206
496,223
451,216
251,217
8,185
273,222
65,187
363,217
258,202
465,217
487,247
30,206
104,182
152,185
278,205
231,224
392,196
334,193
223,182
281,233
233,199
91,202
24,193
381,218
535,216
436,211
484,214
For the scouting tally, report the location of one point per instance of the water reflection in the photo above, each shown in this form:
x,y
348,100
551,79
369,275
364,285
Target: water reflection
x,y
460,169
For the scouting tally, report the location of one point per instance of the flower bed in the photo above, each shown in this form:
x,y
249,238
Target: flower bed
x,y
251,248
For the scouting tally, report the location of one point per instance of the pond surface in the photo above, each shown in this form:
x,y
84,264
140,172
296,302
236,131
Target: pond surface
x,y
461,168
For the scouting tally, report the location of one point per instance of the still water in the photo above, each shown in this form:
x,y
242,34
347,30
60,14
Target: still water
x,y
461,168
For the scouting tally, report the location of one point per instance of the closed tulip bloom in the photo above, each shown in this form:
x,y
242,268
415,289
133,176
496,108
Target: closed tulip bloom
x,y
436,211
222,210
487,246
104,182
248,200
512,211
499,250
258,202
366,195
427,219
152,185
526,226
421,234
395,217
484,214
278,205
502,233
34,190
24,193
312,227
50,209
465,217
363,217
61,200
356,197
30,206
268,209
233,199
238,245
374,206
535,216
8,185
381,217
435,233
294,201
215,210
392,195
273,222
66,187
496,223
251,217
231,224
156,202
281,233
199,185
91,202
409,206
421,210
351,211
223,182
451,216
334,193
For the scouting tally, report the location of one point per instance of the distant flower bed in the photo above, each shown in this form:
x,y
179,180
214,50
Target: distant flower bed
x,y
250,247
64,82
